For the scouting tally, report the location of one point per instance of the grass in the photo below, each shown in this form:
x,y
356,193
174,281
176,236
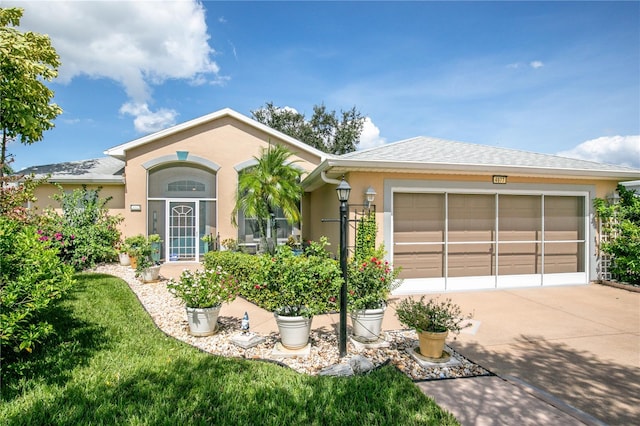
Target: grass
x,y
110,365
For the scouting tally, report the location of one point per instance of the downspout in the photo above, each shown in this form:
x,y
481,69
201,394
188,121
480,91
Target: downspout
x,y
324,177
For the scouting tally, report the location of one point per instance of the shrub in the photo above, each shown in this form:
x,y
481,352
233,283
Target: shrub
x,y
240,265
622,222
85,233
32,278
205,289
371,281
290,284
433,315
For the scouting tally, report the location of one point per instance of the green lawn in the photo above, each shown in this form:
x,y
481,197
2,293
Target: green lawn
x,y
109,364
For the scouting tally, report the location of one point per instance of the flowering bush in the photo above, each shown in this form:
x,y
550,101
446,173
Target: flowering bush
x,y
85,233
370,281
205,289
32,279
291,285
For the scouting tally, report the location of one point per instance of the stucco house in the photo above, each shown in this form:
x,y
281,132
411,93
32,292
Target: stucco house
x,y
454,216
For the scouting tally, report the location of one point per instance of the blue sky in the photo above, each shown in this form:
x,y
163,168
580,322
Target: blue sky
x,y
551,77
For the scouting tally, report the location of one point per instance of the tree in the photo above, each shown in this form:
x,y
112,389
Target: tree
x,y
26,59
325,130
271,184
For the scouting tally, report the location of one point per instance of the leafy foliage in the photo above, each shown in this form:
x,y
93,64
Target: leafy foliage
x,y
366,230
240,265
27,60
205,289
291,285
325,131
371,281
433,315
621,221
85,233
32,278
271,184
16,192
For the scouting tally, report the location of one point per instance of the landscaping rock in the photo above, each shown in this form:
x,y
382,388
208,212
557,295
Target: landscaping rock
x,y
361,364
337,370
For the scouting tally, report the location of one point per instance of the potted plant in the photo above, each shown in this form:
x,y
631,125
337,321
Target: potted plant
x,y
208,241
203,293
370,282
134,245
123,254
433,320
296,288
141,254
156,247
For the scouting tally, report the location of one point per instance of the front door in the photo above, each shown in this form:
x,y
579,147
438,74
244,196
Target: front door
x,y
182,230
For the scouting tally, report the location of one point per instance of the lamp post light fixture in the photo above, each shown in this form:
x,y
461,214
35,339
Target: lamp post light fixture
x,y
343,189
370,195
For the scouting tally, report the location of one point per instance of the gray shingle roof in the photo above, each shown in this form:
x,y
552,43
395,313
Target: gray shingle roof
x,y
426,150
105,169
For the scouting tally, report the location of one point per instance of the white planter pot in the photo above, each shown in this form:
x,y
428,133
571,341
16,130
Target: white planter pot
x,y
150,274
124,259
294,331
367,324
203,321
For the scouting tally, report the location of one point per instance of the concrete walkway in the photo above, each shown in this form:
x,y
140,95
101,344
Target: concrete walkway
x,y
562,355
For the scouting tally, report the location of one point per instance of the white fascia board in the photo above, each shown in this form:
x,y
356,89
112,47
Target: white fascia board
x,y
480,168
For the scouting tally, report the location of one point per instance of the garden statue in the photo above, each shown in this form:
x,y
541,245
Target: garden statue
x,y
244,326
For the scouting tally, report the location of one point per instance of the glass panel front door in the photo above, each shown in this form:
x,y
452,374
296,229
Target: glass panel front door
x,y
182,230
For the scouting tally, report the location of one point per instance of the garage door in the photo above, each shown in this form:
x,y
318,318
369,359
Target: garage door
x,y
459,241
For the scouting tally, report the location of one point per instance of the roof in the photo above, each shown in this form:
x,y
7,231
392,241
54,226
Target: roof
x,y
96,170
433,155
119,150
433,150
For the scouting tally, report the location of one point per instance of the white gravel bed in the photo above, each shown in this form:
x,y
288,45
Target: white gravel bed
x,y
169,315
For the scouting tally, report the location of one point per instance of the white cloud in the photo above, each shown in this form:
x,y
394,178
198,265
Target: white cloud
x,y
621,150
138,44
370,137
147,121
536,64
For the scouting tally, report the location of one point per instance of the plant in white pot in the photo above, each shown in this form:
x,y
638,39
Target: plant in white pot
x,y
123,253
295,288
370,282
203,293
432,319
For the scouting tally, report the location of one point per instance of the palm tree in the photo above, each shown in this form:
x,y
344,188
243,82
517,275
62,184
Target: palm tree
x,y
274,182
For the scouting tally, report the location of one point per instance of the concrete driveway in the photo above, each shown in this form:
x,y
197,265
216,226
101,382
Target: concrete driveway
x,y
579,344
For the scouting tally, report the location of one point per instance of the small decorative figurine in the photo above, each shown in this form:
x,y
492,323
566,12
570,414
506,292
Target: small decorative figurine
x,y
244,326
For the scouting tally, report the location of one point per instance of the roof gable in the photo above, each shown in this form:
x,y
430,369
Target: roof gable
x,y
119,151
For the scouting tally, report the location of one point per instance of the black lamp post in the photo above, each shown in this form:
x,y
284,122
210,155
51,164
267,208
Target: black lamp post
x,y
343,189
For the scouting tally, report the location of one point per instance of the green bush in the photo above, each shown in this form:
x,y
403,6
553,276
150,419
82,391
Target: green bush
x,y
621,221
240,265
32,278
85,233
290,284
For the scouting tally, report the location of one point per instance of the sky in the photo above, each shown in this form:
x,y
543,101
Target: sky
x,y
551,77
